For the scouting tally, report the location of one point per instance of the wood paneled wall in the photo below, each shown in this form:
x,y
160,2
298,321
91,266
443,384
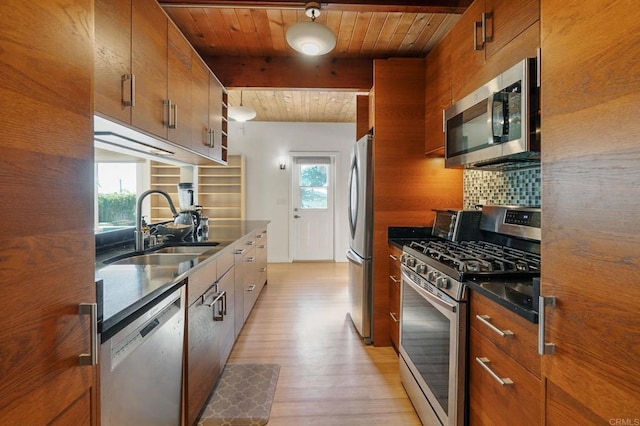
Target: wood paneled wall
x,y
407,185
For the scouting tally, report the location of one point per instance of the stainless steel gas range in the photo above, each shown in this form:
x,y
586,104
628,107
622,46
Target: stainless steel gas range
x,y
433,318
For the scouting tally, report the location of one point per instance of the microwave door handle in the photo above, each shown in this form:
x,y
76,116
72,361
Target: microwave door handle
x,y
497,99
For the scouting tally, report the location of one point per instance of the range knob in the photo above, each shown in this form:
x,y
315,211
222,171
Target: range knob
x,y
411,261
442,282
432,276
421,268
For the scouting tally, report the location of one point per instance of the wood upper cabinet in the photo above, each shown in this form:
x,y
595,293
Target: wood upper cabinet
x,y
200,135
503,22
590,97
112,60
437,96
131,64
465,58
504,370
394,295
149,66
47,267
179,88
362,116
216,91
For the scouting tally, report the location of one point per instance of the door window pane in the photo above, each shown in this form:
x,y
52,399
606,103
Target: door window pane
x,y
313,186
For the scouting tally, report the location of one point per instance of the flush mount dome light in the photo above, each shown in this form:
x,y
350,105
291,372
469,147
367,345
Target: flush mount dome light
x,y
241,113
311,38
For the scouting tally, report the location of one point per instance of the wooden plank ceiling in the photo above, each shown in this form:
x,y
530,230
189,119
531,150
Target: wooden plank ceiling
x,y
240,31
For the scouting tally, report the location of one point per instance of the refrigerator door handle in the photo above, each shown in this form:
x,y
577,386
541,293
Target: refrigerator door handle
x,y
354,258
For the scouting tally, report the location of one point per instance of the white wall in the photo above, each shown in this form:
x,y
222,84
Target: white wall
x,y
268,189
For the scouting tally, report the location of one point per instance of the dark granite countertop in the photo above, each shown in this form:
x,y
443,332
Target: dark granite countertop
x,y
401,235
125,289
517,295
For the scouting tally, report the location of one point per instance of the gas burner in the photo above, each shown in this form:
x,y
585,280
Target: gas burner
x,y
479,257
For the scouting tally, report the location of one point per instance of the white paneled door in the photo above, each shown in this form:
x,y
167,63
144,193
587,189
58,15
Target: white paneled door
x,y
312,216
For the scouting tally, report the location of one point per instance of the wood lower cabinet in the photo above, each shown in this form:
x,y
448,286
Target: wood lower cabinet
x,y
47,266
210,330
394,295
504,369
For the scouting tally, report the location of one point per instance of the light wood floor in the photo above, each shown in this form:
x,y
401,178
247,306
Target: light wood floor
x,y
327,375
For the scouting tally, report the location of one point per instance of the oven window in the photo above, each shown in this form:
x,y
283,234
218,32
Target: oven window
x,y
425,336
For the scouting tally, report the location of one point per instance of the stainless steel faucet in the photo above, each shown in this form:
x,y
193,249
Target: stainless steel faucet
x,y
139,235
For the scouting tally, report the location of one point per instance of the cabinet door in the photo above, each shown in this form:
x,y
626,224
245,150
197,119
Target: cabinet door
x,y
251,286
465,60
227,326
495,404
261,257
47,267
215,116
594,375
203,362
179,86
506,20
149,64
112,59
394,295
437,95
200,106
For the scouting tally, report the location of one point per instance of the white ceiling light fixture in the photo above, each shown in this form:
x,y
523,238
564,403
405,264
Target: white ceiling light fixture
x,y
241,113
311,38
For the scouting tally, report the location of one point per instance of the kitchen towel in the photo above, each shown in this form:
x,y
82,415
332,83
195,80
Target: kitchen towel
x,y
243,396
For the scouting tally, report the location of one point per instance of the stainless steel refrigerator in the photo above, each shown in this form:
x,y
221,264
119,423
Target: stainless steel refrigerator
x,y
361,231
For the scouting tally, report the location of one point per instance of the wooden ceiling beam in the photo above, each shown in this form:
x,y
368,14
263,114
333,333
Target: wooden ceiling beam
x,y
415,6
353,74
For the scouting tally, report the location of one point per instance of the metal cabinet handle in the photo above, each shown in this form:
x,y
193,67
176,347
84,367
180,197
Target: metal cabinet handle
x,y
174,124
395,259
543,347
263,269
90,309
212,139
131,79
476,46
240,251
394,317
486,320
485,17
394,279
251,259
296,216
251,287
259,235
503,381
218,314
251,243
261,246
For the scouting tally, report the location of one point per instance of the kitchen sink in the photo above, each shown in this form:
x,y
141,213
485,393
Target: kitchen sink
x,y
155,259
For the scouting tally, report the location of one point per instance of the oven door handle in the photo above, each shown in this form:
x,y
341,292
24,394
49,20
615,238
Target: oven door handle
x,y
433,299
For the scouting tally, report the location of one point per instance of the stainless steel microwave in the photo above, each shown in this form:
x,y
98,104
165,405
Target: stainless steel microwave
x,y
498,125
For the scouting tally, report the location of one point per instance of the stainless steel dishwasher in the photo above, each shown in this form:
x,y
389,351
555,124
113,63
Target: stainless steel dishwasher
x,y
141,367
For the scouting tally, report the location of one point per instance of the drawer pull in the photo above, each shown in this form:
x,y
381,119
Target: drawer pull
x,y
394,279
395,259
393,317
503,381
486,320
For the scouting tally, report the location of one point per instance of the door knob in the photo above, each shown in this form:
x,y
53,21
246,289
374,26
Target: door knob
x,y
295,216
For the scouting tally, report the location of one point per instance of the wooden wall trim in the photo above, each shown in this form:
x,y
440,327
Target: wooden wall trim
x,y
293,72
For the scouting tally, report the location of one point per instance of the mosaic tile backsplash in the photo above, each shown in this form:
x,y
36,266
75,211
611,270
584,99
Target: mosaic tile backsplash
x,y
513,187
